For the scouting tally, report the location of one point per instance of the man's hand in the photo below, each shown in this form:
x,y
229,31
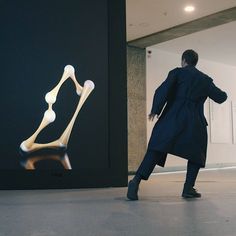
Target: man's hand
x,y
152,116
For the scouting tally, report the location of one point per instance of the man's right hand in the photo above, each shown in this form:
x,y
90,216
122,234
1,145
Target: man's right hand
x,y
151,116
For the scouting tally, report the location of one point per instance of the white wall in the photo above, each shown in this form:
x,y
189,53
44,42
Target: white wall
x,y
159,63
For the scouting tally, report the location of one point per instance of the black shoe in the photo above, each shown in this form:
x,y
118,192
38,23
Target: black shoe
x,y
191,193
132,193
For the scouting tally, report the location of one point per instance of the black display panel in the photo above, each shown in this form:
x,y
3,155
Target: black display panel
x,y
38,39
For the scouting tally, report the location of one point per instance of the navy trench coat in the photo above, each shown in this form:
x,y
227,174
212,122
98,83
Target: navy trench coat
x,y
179,103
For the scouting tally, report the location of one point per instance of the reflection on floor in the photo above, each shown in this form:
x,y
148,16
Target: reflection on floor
x,y
39,159
106,212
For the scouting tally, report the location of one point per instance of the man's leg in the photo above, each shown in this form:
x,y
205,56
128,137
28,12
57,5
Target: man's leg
x,y
191,176
144,171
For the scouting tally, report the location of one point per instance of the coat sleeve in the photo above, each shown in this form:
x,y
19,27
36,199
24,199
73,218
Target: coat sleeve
x,y
216,94
163,92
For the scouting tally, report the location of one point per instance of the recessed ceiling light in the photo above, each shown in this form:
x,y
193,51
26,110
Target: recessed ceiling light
x,y
189,8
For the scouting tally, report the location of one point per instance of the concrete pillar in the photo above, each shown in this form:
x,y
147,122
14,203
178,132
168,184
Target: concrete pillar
x,y
136,70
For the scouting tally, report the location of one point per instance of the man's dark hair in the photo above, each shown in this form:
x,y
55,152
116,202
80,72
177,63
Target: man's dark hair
x,y
191,57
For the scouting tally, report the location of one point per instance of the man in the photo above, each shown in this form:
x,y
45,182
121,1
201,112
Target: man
x,y
181,126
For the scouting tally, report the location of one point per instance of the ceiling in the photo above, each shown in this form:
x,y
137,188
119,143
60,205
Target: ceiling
x,y
145,17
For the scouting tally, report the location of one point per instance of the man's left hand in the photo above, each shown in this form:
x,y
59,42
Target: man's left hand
x,y
152,116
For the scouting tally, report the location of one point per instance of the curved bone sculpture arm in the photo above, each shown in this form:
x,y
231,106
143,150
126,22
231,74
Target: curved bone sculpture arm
x,y
87,89
29,144
69,72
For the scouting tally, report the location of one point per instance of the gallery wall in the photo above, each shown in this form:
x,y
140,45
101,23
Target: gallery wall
x,y
159,63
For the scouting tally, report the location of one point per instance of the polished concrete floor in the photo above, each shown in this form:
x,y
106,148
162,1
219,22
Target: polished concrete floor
x,y
106,212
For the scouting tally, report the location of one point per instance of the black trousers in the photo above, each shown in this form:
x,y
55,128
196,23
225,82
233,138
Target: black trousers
x,y
150,160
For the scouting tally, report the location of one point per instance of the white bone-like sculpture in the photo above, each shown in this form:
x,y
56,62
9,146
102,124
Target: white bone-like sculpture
x,y
29,144
64,160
